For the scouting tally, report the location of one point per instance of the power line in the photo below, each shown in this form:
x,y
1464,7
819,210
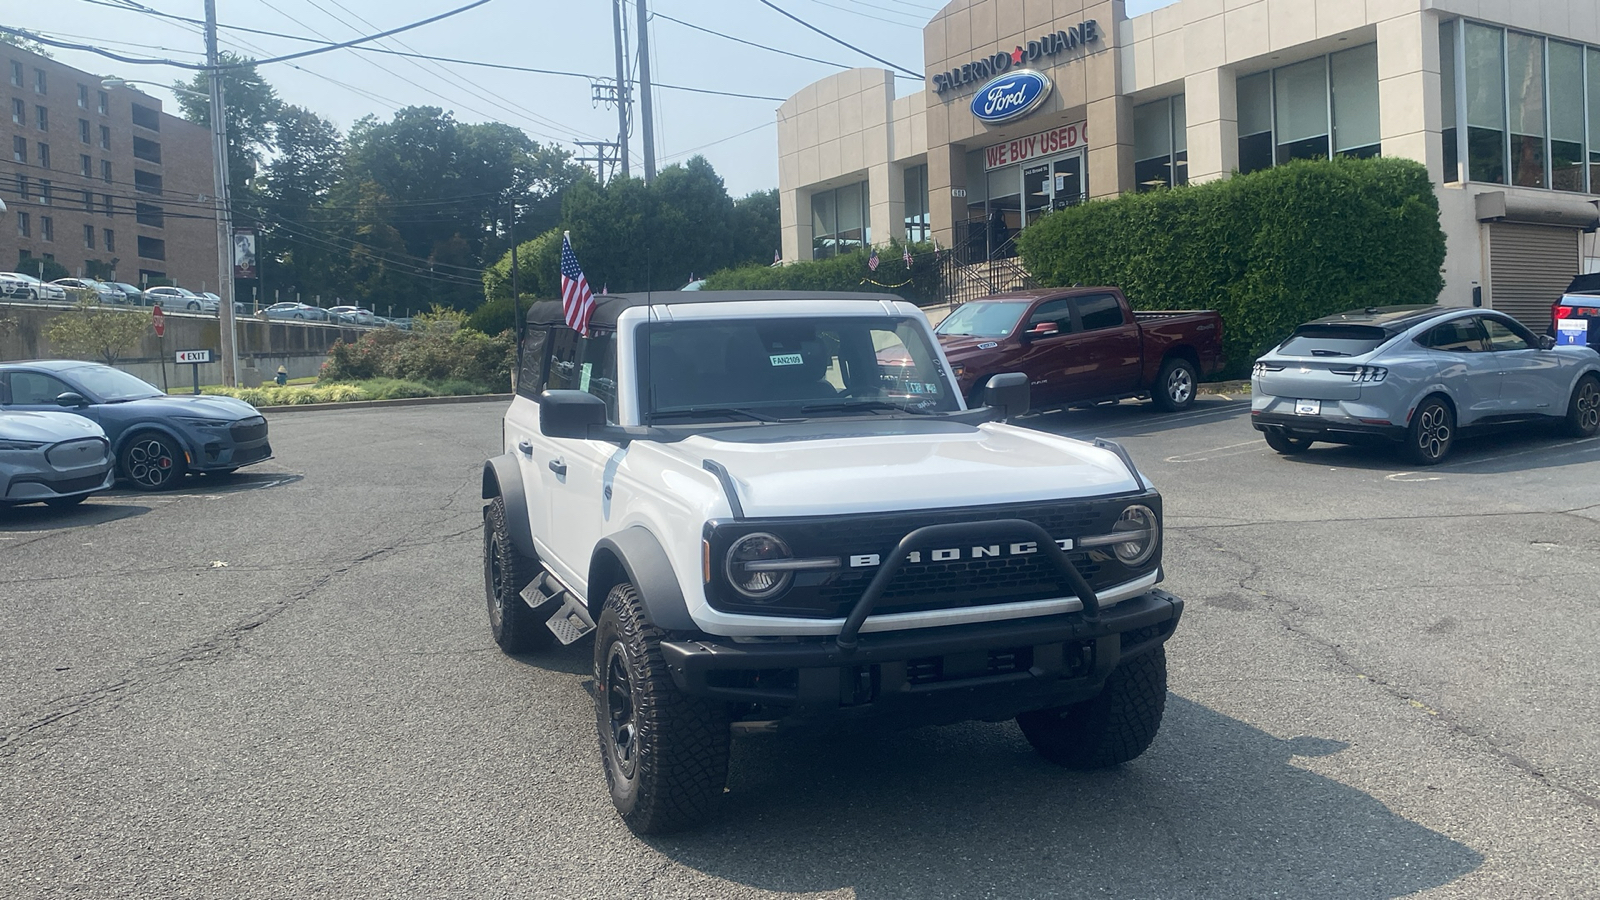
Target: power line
x,y
362,40
738,40
770,5
856,12
682,153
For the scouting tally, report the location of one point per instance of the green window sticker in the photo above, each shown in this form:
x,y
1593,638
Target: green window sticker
x,y
583,378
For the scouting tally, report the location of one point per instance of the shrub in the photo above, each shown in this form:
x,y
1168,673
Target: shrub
x,y
272,395
847,272
439,347
1268,250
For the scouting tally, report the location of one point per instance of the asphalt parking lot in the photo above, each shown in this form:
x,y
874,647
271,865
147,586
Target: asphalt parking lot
x,y
281,684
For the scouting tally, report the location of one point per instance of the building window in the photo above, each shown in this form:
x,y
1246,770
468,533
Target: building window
x,y
47,229
16,73
105,170
105,137
86,166
1316,109
147,118
88,201
41,117
83,131
19,149
88,237
105,103
1353,97
44,155
146,182
83,96
148,214
1484,49
147,150
105,203
152,248
918,225
44,192
1160,144
19,111
22,187
38,81
111,240
1300,111
24,225
1566,117
1255,122
839,220
1525,90
1447,102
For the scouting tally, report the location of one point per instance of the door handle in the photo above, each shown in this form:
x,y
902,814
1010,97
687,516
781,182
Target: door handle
x,y
558,467
526,448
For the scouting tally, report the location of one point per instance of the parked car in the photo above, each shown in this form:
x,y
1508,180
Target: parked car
x,y
51,457
21,286
171,298
1575,318
131,295
1419,376
103,292
352,315
155,438
292,310
1082,346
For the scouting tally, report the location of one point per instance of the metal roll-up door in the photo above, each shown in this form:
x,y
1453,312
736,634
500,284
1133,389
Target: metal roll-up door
x,y
1529,268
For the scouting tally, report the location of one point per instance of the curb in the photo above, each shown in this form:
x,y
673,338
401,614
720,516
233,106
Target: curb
x,y
382,404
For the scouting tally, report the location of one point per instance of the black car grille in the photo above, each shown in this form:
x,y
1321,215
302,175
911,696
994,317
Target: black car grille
x,y
926,585
78,485
248,431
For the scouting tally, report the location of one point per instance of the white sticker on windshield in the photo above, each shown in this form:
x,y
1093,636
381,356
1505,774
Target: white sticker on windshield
x,y
787,359
583,378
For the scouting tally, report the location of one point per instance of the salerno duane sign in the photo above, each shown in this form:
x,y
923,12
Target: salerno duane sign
x,y
990,66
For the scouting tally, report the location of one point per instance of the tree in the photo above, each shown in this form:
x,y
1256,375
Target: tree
x,y
17,40
91,330
253,111
757,232
296,183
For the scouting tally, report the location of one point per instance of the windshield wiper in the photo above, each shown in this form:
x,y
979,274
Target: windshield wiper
x,y
711,411
869,405
1330,353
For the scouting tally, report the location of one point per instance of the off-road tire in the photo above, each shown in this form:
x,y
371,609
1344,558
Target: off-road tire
x,y
1583,410
665,753
515,626
1286,443
1109,729
1175,387
1432,432
152,461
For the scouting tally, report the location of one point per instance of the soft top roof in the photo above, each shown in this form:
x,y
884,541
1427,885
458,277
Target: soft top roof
x,y
1392,319
609,306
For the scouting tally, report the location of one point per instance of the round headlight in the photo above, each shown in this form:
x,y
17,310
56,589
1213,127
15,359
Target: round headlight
x,y
746,571
1144,535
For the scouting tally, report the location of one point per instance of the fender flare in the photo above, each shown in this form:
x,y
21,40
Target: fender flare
x,y
633,554
502,478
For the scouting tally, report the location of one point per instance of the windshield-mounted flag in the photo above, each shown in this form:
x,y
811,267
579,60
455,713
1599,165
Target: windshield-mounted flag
x,y
577,301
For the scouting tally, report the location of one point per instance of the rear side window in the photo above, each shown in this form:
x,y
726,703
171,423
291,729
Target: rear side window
x,y
1099,311
1333,340
1458,336
530,374
585,364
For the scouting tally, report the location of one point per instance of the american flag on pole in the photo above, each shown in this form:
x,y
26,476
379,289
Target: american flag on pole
x,y
907,257
872,261
577,302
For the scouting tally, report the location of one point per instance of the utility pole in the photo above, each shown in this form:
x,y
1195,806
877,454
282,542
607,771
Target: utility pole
x,y
219,167
649,131
622,86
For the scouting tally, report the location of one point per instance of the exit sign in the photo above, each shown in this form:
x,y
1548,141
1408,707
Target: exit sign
x,y
194,356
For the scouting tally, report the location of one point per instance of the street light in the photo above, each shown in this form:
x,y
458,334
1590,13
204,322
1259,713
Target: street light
x,y
219,169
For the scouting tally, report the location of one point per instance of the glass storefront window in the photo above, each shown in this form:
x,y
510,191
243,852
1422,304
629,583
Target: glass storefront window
x,y
1354,82
1566,117
1525,83
839,220
1004,215
918,225
1300,107
1255,122
1594,119
1447,101
1160,144
1486,104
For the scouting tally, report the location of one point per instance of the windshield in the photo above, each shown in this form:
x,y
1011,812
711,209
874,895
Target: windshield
x,y
111,384
984,319
1334,340
792,367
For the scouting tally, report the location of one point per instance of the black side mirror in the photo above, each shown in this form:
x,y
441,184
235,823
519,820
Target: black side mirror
x,y
1546,342
1010,393
570,414
72,399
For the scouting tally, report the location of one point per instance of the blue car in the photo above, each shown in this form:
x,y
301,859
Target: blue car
x,y
155,438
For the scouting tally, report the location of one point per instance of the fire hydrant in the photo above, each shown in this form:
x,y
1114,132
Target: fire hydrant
x,y
282,378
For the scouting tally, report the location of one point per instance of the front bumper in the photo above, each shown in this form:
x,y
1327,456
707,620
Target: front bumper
x,y
990,670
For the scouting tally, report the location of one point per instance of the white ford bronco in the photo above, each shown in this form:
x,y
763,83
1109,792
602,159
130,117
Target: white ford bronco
x,y
774,511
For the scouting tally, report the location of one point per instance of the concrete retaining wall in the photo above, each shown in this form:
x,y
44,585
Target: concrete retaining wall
x,y
298,346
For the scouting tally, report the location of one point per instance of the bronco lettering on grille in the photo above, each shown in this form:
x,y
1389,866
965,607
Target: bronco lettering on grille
x,y
952,554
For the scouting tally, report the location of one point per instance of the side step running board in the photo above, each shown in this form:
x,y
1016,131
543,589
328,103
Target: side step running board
x,y
571,621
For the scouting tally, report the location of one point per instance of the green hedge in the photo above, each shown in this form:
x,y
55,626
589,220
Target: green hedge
x,y
847,272
1268,250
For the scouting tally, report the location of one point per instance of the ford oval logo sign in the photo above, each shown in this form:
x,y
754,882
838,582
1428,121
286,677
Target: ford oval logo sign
x,y
1011,96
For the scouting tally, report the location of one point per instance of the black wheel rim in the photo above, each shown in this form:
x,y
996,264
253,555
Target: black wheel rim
x,y
1433,431
1180,387
620,714
494,575
1589,406
150,462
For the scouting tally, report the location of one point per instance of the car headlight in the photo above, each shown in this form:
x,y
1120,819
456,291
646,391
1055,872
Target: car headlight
x,y
20,445
1133,539
754,566
204,422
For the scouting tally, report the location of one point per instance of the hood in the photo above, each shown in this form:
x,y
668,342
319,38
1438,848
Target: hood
x,y
46,427
959,346
208,406
924,467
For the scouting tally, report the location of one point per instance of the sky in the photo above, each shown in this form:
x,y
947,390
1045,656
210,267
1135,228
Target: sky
x,y
737,135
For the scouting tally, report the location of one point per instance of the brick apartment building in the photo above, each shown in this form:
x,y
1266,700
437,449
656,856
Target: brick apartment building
x,y
101,180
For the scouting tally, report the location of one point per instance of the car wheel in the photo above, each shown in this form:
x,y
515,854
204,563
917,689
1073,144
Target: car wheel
x,y
1433,430
1583,410
152,461
1175,386
1109,729
65,502
193,307
665,753
1286,443
515,626
299,315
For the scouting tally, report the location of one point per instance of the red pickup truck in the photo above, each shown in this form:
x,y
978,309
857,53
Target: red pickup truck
x,y
1082,345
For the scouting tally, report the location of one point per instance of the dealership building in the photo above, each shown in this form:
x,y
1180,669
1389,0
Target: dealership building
x,y
1033,105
